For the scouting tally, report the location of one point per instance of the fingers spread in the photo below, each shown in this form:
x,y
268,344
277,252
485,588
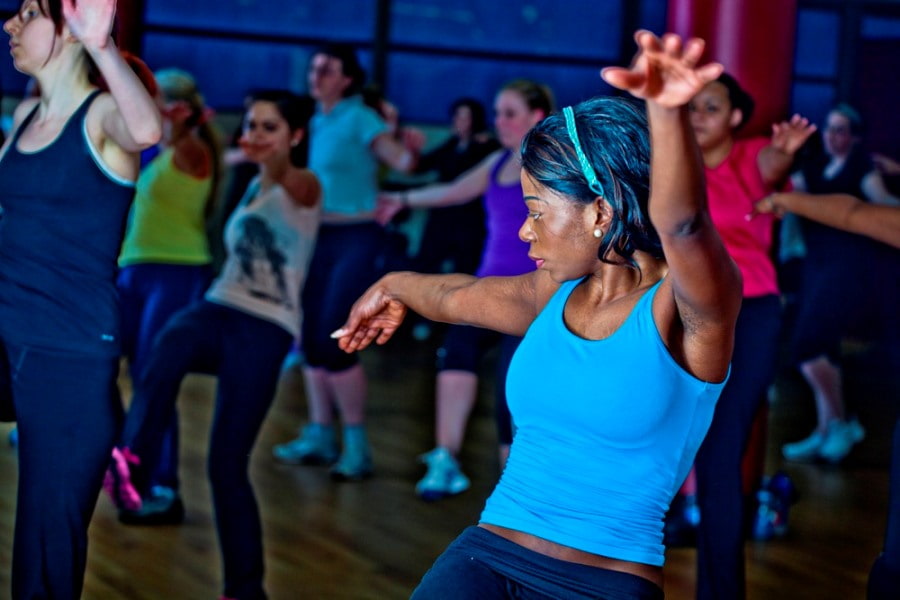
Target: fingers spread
x,y
621,78
693,50
672,44
709,72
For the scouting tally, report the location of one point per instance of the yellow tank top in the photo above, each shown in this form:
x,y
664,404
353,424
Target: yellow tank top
x,y
167,224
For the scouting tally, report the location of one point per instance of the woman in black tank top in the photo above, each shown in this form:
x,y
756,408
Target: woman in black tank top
x,y
67,177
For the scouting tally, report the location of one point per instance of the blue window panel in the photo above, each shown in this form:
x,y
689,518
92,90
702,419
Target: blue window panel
x,y
574,28
880,28
226,69
818,36
813,100
653,15
424,86
298,18
13,82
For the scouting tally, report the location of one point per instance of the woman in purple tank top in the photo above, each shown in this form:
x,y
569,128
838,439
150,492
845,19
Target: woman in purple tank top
x,y
519,106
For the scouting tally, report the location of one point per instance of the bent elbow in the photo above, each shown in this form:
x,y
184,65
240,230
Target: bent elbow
x,y
150,134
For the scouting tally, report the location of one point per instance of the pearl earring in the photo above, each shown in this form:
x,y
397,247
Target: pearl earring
x,y
598,233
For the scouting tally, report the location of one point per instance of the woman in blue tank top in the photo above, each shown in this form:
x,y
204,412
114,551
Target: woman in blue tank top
x,y
628,327
66,181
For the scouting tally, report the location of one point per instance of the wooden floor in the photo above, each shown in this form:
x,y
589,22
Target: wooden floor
x,y
373,540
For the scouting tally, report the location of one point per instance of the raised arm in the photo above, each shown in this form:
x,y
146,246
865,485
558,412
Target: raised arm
x,y
876,191
505,304
788,137
131,119
464,188
705,283
841,211
398,156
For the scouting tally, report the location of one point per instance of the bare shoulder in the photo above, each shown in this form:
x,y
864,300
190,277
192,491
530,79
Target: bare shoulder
x,y
303,187
193,157
493,158
101,109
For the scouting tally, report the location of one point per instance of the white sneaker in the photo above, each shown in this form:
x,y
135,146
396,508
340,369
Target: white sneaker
x,y
443,476
840,439
806,449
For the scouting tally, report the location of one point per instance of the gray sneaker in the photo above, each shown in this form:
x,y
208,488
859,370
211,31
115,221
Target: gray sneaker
x,y
806,449
840,439
443,476
355,463
316,445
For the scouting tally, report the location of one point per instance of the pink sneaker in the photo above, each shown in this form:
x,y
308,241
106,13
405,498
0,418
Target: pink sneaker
x,y
118,480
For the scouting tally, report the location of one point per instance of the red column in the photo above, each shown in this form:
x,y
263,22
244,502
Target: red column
x,y
754,39
129,21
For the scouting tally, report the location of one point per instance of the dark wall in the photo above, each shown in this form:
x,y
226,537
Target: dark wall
x,y
437,50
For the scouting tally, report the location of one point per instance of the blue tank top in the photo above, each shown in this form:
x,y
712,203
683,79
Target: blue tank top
x,y
504,253
62,222
606,432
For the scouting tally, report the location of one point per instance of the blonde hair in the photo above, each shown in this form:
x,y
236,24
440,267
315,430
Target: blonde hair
x,y
179,85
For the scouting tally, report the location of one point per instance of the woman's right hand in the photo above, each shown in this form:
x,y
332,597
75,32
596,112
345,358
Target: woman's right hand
x,y
389,204
375,316
90,21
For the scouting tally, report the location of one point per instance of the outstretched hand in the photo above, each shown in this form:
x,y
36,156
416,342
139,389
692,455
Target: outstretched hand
x,y
886,164
768,206
375,316
90,21
789,136
664,71
386,209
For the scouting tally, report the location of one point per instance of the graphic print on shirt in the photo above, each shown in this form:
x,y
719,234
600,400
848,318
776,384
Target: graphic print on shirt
x,y
261,262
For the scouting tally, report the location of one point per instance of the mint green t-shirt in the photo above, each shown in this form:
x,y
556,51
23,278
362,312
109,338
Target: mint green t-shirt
x,y
340,154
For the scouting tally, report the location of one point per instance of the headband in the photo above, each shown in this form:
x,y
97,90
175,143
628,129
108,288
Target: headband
x,y
589,173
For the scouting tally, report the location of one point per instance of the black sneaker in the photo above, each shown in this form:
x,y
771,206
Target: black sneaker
x,y
162,507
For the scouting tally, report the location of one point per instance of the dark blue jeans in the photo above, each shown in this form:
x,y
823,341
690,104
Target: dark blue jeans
x,y
150,293
721,533
480,565
245,353
68,412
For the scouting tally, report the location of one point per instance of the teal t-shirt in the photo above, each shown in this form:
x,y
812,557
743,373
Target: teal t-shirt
x,y
341,157
606,431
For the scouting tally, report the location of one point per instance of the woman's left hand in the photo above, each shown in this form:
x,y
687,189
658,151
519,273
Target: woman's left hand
x,y
789,136
90,21
664,71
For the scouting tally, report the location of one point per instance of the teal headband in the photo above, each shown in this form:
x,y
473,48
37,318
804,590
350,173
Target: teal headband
x,y
589,173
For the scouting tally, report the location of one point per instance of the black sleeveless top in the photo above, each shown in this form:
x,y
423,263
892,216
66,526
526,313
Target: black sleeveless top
x,y
62,219
828,244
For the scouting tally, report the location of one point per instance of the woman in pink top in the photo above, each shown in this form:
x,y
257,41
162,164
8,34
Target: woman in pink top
x,y
738,174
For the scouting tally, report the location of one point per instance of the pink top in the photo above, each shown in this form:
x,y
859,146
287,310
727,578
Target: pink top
x,y
733,188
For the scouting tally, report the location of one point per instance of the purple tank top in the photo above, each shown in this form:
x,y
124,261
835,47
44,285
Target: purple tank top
x,y
504,253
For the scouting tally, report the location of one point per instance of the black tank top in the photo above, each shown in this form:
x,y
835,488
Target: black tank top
x,y
62,219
